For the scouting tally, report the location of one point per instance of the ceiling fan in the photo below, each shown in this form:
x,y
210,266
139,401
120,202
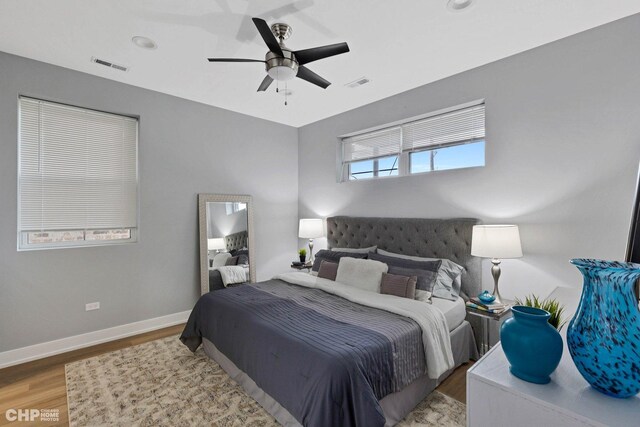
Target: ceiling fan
x,y
284,64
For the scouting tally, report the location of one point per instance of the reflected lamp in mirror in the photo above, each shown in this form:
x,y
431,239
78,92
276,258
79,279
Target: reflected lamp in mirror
x,y
310,228
216,244
496,242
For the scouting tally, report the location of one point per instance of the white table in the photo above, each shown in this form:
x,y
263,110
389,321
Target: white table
x,y
497,398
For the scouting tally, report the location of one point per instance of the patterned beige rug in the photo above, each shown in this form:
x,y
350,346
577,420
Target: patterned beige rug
x,y
163,383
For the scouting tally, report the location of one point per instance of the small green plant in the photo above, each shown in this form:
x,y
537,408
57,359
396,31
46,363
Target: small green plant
x,y
302,252
551,305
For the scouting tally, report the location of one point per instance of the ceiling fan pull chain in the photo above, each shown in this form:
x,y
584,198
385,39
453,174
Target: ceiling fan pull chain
x,y
277,80
286,93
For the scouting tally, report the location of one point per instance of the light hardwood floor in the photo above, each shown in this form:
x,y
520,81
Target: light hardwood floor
x,y
41,384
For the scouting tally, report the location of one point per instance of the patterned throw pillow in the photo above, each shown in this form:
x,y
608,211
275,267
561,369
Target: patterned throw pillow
x,y
400,286
328,270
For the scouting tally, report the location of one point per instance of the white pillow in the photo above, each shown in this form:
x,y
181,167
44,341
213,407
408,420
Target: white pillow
x,y
221,259
361,273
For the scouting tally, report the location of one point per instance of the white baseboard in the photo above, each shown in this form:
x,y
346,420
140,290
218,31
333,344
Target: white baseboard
x,y
63,345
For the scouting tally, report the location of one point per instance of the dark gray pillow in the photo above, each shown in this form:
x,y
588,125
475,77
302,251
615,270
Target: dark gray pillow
x,y
400,286
328,270
426,278
231,260
243,259
333,257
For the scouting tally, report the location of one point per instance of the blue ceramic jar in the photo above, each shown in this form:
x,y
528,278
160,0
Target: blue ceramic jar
x,y
604,335
533,347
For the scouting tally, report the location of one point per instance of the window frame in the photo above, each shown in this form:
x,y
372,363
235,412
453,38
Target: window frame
x,y
404,156
23,244
375,171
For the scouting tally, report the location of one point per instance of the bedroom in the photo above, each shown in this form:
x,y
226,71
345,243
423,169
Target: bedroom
x,y
560,86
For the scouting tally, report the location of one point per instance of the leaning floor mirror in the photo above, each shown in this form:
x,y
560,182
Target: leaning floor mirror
x,y
226,241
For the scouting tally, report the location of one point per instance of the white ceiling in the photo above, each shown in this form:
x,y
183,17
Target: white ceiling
x,y
399,44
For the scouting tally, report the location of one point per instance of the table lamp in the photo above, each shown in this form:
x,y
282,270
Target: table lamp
x,y
310,228
216,244
496,242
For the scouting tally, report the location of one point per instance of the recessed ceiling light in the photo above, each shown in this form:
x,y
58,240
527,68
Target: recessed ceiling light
x,y
144,42
457,5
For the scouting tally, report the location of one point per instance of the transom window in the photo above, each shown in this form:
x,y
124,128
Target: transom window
x,y
77,176
451,139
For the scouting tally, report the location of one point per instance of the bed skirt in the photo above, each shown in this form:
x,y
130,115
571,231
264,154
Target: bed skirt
x,y
395,405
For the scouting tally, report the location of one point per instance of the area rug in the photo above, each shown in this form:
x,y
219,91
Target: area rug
x,y
163,383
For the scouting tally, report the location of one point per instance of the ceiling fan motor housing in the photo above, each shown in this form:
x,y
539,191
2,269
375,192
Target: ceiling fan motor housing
x,y
281,67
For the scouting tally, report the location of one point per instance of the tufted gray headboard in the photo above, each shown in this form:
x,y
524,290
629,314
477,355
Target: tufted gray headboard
x,y
237,240
423,237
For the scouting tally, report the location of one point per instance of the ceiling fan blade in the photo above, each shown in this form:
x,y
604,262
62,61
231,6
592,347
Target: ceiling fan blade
x,y
306,74
267,36
265,83
309,55
234,60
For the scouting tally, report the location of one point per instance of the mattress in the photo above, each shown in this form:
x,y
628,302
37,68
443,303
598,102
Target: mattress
x,y
454,311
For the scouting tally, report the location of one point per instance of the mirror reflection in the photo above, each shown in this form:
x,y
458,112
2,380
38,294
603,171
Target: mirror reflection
x,y
227,244
225,239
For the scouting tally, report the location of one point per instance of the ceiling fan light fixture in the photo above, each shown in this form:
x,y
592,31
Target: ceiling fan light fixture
x,y
282,73
458,5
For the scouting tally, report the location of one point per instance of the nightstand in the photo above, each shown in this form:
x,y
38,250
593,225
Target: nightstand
x,y
489,321
497,398
306,266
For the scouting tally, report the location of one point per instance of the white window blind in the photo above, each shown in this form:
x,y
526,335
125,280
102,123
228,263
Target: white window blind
x,y
382,143
77,170
459,126
455,139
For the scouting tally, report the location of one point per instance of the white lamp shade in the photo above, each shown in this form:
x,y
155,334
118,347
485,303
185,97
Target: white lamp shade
x,y
310,228
496,241
216,243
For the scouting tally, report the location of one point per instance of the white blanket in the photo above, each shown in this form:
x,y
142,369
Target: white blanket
x,y
231,274
435,332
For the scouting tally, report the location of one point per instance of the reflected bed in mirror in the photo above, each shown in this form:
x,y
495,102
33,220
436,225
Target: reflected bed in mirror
x,y
226,241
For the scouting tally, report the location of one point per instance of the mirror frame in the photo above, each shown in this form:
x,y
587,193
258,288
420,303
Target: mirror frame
x,y
203,199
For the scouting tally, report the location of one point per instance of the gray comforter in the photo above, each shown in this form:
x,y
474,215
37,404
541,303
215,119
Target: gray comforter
x,y
327,360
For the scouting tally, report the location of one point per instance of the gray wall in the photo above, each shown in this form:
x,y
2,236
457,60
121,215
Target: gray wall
x,y
563,144
185,148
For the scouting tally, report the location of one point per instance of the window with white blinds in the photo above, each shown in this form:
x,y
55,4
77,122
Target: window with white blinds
x,y
78,178
451,139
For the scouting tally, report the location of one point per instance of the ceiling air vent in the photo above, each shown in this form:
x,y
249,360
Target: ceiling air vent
x,y
109,64
358,82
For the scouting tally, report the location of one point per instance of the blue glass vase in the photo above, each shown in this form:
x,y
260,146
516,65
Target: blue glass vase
x,y
604,335
532,345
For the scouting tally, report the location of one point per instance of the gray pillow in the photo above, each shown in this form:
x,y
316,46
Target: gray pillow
x,y
328,270
425,281
232,261
400,286
356,250
448,274
332,256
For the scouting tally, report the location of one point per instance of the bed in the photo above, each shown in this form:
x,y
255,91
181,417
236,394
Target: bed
x,y
316,353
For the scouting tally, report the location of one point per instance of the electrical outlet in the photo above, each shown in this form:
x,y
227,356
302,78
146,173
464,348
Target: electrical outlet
x,y
92,306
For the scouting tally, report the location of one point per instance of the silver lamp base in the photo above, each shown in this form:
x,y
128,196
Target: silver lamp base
x,y
495,272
